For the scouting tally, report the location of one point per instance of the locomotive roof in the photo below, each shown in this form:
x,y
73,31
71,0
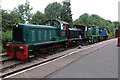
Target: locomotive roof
x,y
63,22
80,25
94,26
37,26
74,29
102,29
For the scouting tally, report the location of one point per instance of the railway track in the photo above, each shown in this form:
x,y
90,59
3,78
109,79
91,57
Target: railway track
x,y
3,55
5,59
27,67
11,65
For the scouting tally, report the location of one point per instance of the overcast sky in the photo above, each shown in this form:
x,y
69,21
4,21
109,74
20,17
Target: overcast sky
x,y
107,9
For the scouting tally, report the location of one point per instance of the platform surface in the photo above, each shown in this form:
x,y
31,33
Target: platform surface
x,y
102,63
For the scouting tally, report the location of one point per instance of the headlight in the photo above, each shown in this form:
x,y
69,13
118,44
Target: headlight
x,y
17,25
7,45
21,47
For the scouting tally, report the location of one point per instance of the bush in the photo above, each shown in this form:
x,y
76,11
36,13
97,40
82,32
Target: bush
x,y
6,37
2,50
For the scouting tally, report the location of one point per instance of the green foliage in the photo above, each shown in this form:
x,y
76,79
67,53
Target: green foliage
x,y
6,37
9,19
2,50
53,11
38,18
95,20
0,42
111,29
116,24
21,14
83,20
66,12
59,12
23,11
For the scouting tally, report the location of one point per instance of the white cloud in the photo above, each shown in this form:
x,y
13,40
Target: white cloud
x,y
107,9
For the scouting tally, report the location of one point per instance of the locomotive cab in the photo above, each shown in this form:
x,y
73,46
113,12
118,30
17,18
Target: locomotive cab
x,y
103,32
74,33
84,30
62,28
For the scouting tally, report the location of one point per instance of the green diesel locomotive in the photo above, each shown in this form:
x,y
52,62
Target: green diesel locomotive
x,y
37,39
94,34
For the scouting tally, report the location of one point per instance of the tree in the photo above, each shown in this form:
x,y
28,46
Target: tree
x,y
38,18
111,30
66,12
84,19
24,11
5,20
95,20
0,20
21,14
53,10
9,19
116,23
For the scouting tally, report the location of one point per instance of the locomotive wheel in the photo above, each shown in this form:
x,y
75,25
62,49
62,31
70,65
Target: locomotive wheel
x,y
66,45
87,42
52,50
58,48
93,41
36,53
97,39
55,49
41,53
48,51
